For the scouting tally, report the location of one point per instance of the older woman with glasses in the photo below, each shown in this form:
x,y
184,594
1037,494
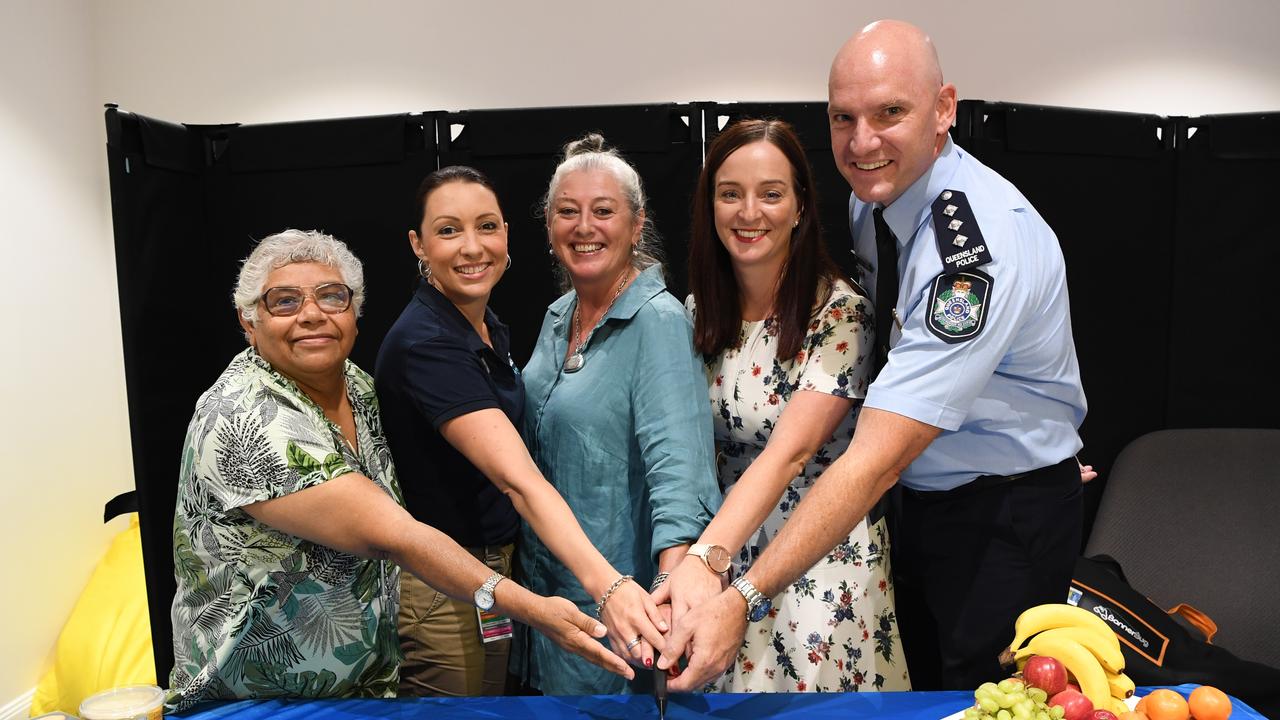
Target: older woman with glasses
x,y
288,529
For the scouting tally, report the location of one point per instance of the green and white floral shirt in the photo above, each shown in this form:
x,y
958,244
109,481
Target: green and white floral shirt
x,y
259,613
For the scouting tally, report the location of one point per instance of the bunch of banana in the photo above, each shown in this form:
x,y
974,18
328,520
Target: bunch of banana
x,y
1083,643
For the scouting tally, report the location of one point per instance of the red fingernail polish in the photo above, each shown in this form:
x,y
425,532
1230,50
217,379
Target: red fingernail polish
x,y
648,662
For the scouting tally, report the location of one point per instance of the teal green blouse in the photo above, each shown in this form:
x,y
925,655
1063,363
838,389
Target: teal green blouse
x,y
627,442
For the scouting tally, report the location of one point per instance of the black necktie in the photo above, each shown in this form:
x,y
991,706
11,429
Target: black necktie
x,y
886,287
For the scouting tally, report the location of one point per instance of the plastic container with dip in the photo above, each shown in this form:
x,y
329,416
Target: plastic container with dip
x,y
131,702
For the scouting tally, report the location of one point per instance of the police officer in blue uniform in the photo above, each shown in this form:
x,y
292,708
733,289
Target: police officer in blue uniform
x,y
975,411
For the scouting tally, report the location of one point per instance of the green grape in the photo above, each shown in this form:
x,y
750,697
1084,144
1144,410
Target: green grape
x,y
1004,715
1038,695
1025,709
1008,685
972,713
1006,700
990,706
986,687
1056,712
1042,715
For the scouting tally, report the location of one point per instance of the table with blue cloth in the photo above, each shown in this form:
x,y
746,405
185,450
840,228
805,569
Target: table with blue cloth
x,y
923,705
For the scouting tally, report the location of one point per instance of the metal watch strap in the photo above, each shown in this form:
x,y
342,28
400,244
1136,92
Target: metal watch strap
x,y
749,593
492,582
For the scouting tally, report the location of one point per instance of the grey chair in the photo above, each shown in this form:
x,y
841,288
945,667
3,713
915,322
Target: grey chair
x,y
1194,516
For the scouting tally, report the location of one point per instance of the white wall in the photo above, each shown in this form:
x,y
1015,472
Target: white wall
x,y
65,435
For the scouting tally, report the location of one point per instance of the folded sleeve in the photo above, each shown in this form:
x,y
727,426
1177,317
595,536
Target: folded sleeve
x,y
673,427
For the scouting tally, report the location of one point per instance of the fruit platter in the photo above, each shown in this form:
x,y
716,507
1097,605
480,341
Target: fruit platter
x,y
1066,664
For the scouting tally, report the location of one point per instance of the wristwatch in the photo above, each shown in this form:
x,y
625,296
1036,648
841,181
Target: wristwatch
x,y
758,606
716,558
484,594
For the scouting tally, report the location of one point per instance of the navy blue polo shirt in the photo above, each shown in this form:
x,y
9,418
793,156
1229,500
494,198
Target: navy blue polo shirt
x,y
433,367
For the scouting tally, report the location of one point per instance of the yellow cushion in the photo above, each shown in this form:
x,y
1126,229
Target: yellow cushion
x,y
107,640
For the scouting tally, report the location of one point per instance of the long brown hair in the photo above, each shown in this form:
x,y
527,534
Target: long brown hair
x,y
808,266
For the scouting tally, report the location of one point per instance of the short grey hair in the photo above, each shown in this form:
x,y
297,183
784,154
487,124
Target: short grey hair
x,y
589,153
293,246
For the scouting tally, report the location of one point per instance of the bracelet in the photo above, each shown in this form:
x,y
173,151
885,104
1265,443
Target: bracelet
x,y
658,580
605,597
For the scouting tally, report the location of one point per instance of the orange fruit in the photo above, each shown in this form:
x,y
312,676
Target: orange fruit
x,y
1209,703
1141,706
1134,715
1165,705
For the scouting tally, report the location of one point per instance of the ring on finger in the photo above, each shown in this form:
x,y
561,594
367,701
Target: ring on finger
x,y
634,643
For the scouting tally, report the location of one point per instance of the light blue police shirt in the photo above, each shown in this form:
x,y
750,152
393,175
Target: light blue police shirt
x,y
1009,399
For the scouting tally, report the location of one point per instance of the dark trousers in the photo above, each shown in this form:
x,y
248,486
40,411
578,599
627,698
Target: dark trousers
x,y
967,562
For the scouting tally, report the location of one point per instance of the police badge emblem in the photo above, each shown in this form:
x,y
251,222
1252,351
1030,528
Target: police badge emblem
x,y
958,305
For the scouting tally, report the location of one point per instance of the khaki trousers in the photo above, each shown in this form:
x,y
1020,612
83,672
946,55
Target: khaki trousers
x,y
440,639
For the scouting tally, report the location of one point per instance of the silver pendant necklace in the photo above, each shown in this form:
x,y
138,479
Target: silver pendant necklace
x,y
575,361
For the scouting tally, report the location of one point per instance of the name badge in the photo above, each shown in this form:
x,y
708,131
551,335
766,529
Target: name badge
x,y
494,626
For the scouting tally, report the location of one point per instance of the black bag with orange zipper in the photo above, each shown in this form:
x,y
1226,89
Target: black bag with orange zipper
x,y
1159,650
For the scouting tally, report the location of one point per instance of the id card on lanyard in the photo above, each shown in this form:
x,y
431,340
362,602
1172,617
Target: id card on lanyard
x,y
494,626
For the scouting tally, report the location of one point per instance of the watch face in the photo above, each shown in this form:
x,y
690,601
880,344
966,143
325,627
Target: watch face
x,y
718,559
484,599
761,609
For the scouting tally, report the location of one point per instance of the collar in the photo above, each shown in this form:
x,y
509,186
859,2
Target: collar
x,y
647,285
911,209
452,317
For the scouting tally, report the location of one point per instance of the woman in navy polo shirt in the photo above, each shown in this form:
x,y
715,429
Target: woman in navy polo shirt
x,y
451,402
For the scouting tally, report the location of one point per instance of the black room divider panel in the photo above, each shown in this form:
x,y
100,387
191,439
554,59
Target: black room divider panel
x,y
519,149
1225,300
1164,231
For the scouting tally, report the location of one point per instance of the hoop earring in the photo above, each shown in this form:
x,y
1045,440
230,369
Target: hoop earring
x,y
508,261
424,270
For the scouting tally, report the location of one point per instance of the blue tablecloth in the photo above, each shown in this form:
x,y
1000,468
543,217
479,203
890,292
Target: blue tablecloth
x,y
923,705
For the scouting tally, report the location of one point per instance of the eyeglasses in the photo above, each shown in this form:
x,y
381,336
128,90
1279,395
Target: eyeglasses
x,y
332,298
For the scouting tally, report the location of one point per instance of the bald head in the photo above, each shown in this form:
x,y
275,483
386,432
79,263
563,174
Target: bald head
x,y
889,46
888,108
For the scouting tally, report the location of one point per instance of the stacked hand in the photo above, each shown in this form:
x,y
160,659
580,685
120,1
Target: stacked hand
x,y
704,628
635,625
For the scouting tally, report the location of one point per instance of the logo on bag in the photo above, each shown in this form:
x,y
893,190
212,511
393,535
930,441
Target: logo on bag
x,y
1130,629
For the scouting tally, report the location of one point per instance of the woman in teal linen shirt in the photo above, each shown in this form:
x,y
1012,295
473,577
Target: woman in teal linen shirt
x,y
616,415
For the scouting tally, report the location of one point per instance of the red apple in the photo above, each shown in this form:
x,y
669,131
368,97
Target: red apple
x,y
1102,715
1045,673
1075,706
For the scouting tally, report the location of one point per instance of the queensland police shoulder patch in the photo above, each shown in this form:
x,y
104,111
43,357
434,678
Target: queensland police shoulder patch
x,y
955,227
958,305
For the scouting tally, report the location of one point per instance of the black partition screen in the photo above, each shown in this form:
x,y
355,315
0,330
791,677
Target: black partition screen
x,y
1163,221
1223,304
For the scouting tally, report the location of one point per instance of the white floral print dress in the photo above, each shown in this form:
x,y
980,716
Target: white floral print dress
x,y
834,629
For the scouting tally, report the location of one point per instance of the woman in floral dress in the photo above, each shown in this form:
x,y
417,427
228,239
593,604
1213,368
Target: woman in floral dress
x,y
787,344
